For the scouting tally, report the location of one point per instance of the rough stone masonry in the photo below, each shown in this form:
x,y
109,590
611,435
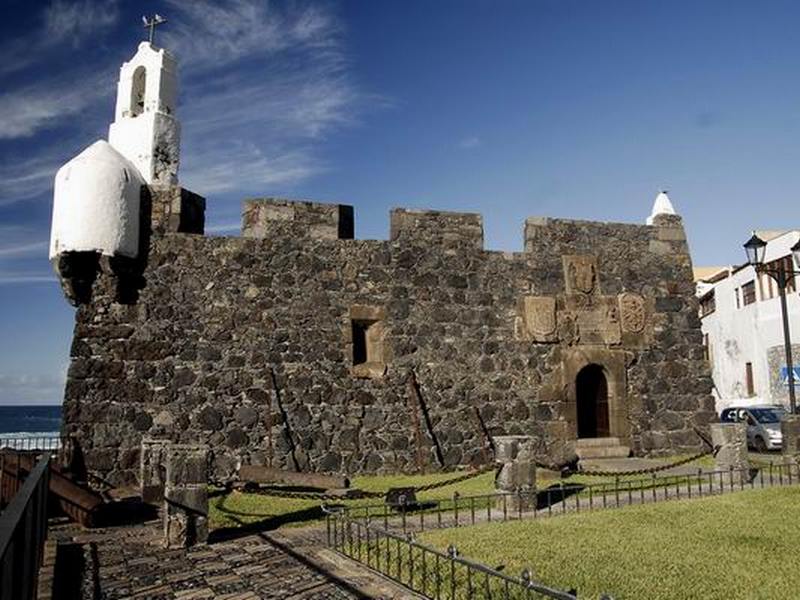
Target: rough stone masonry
x,y
298,346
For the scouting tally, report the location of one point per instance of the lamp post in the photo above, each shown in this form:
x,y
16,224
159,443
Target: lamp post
x,y
755,248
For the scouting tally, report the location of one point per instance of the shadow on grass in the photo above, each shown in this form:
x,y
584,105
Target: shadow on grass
x,y
269,523
557,493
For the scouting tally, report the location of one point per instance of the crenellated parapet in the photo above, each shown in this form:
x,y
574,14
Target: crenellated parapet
x,y
274,217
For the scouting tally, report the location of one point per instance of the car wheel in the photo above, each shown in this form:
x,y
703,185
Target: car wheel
x,y
760,444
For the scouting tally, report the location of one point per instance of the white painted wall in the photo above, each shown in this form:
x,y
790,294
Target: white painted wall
x,y
740,335
96,204
145,129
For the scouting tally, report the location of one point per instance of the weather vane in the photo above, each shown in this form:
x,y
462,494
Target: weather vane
x,y
151,24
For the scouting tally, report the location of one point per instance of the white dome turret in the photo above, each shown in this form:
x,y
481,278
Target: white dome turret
x,y
662,206
96,204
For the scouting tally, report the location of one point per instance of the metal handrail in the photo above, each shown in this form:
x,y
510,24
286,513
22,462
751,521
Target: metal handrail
x,y
23,529
337,540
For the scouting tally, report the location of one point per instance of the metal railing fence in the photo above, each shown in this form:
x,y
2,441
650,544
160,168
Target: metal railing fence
x,y
23,529
564,498
32,443
428,571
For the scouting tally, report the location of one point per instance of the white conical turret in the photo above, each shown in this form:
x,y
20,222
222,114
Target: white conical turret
x,y
145,129
662,206
96,204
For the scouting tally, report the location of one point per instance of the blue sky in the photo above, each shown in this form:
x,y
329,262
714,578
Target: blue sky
x,y
579,109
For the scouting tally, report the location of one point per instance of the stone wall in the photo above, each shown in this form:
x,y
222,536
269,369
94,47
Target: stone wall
x,y
250,344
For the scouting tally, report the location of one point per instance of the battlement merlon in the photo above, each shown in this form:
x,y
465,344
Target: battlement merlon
x,y
277,217
448,229
665,235
302,219
174,209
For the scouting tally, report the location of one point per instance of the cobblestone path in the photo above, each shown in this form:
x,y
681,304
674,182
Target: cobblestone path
x,y
130,562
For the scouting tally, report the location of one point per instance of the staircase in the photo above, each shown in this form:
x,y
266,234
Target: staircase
x,y
606,447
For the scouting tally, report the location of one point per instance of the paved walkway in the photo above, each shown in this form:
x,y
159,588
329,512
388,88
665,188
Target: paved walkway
x,y
130,562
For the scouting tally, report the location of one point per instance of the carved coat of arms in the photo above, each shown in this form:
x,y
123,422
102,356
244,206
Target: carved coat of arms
x,y
632,312
581,274
539,317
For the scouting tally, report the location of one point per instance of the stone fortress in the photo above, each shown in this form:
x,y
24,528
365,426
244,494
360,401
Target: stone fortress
x,y
299,347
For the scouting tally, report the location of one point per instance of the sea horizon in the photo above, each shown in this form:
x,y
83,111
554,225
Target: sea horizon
x,y
30,420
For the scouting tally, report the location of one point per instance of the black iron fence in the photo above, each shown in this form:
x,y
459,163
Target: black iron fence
x,y
23,529
428,571
408,515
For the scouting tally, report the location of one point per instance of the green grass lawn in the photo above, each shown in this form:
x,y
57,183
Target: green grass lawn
x,y
238,509
739,546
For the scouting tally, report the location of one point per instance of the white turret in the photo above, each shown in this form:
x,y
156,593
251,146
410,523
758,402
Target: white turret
x,y
96,204
145,129
97,196
662,206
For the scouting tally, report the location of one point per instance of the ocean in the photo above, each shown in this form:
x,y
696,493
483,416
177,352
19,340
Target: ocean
x,y
29,421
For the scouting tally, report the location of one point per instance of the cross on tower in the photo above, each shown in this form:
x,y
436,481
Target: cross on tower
x,y
151,24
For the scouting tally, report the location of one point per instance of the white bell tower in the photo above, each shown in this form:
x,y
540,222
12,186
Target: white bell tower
x,y
145,130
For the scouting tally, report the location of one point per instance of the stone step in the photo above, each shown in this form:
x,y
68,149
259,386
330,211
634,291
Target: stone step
x,y
601,441
591,452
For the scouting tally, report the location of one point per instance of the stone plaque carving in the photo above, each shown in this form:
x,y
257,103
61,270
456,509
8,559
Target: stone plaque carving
x,y
580,274
597,321
632,313
538,314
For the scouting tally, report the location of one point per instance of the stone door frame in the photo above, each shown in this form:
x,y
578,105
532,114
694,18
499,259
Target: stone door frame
x,y
613,364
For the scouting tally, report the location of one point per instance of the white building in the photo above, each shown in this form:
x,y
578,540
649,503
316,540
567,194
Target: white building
x,y
743,328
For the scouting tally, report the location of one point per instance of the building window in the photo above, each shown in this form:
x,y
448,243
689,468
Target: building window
x,y
366,339
706,347
769,288
749,293
748,375
363,346
738,295
708,304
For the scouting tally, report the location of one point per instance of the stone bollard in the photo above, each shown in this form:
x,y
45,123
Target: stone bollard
x,y
731,439
517,475
153,470
790,431
186,496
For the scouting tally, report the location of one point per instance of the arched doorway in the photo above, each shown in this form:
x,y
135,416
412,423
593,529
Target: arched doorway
x,y
591,391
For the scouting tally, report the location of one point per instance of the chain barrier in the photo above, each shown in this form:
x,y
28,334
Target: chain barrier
x,y
360,494
646,471
568,470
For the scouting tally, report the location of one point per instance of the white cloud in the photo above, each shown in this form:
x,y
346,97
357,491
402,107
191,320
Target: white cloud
x,y
245,166
31,389
26,178
76,21
207,33
62,22
25,111
224,227
265,79
470,142
24,249
26,278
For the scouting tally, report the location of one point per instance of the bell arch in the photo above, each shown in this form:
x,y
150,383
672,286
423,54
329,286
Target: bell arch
x,y
138,91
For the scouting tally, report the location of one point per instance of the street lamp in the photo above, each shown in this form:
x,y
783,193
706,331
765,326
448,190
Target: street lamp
x,y
756,248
